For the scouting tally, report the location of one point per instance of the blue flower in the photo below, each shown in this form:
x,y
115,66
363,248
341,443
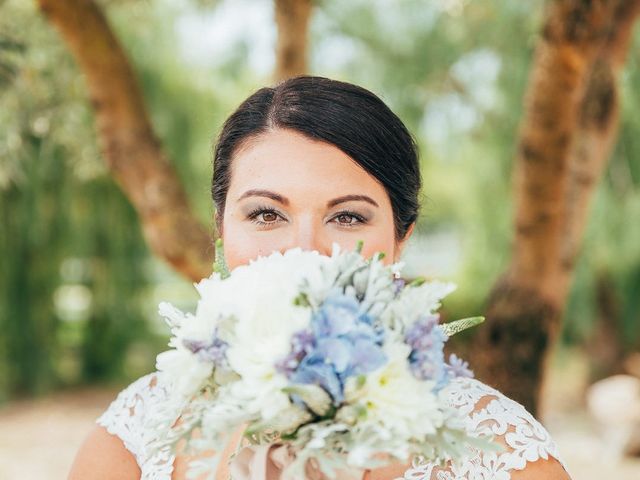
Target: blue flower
x,y
338,315
458,367
314,369
344,342
302,343
211,352
398,284
366,357
426,359
336,359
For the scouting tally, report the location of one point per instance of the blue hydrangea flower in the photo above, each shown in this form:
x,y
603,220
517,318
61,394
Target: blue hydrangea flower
x,y
344,342
318,369
339,314
302,343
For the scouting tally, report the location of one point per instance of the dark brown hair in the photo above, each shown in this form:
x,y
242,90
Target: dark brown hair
x,y
345,115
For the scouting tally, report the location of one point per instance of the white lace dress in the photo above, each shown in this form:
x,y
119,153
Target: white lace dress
x,y
486,410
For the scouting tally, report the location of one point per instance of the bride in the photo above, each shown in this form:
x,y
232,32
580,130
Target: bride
x,y
310,162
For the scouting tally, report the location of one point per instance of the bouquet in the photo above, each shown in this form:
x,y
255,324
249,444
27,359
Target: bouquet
x,y
335,358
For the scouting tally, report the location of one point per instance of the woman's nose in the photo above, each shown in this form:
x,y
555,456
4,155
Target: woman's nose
x,y
309,235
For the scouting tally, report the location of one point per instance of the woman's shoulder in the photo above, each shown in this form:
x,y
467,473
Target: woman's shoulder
x,y
113,448
103,456
527,445
120,436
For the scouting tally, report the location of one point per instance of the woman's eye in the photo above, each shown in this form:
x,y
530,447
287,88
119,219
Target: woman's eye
x,y
269,217
264,216
349,219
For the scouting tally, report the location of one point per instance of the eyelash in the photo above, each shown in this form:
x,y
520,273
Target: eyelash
x,y
254,214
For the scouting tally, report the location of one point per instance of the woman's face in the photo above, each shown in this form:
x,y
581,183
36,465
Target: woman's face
x,y
288,191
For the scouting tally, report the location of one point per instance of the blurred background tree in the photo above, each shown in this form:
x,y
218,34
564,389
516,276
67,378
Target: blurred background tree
x,y
79,283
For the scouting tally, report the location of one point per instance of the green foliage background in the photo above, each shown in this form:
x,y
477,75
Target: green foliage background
x,y
78,286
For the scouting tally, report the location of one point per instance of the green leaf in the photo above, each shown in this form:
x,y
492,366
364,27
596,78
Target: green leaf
x,y
302,300
219,263
416,282
458,326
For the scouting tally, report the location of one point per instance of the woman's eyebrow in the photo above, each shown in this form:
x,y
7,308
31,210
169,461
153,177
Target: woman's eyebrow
x,y
265,193
285,201
347,198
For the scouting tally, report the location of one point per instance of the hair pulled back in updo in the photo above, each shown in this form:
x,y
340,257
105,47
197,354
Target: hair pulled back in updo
x,y
339,113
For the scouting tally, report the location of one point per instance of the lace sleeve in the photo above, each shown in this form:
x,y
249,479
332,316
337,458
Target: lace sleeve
x,y
125,419
488,411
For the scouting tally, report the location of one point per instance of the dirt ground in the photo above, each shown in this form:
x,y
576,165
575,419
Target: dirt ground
x,y
39,438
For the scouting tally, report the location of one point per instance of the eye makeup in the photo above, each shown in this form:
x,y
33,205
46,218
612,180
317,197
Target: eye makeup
x,y
254,214
360,219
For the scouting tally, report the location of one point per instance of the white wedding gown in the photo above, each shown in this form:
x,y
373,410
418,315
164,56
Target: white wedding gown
x,y
486,410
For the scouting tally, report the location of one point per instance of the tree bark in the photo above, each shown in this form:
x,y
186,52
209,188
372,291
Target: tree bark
x,y
568,130
130,147
292,19
605,346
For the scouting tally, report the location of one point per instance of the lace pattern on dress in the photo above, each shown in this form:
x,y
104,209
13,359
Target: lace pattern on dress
x,y
489,412
486,411
125,419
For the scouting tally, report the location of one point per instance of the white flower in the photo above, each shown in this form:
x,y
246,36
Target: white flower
x,y
224,414
262,395
186,372
416,301
395,399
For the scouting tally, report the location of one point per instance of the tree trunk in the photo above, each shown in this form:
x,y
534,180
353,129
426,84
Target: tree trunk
x,y
130,147
292,20
568,130
605,346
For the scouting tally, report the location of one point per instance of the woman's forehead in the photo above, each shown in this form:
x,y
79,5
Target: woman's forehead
x,y
291,164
